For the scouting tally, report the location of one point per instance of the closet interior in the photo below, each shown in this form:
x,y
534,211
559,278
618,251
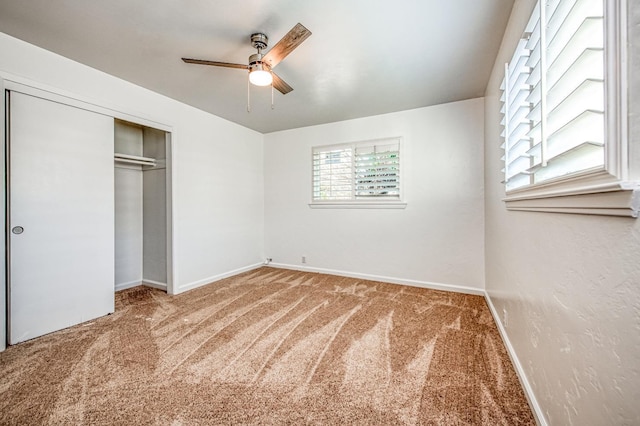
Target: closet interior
x,y
140,161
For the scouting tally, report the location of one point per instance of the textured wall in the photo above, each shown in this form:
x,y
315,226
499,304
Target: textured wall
x,y
438,238
567,286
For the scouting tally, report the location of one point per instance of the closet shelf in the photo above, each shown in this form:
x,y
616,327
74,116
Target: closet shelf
x,y
134,159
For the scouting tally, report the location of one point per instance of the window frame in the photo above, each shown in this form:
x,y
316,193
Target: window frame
x,y
606,190
364,203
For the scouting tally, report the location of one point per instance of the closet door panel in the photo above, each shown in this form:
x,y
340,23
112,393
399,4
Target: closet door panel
x,y
61,196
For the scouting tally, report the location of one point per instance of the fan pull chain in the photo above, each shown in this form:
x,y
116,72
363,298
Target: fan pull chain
x,y
272,106
248,95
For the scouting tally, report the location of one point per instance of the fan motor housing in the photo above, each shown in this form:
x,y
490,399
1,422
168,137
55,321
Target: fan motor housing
x,y
259,41
256,63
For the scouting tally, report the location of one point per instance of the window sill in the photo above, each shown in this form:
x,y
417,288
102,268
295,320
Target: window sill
x,y
608,199
358,205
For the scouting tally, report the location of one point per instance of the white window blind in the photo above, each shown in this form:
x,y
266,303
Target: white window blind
x,y
357,171
554,95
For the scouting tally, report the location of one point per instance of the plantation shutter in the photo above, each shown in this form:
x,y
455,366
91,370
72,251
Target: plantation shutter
x,y
564,47
377,170
357,171
333,174
517,124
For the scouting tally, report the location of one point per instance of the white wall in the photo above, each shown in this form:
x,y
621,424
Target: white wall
x,y
154,195
218,171
128,205
437,239
569,285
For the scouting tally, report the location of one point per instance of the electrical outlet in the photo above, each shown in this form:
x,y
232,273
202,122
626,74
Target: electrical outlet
x,y
505,318
304,259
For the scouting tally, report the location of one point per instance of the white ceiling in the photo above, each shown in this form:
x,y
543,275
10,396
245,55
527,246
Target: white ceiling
x,y
364,58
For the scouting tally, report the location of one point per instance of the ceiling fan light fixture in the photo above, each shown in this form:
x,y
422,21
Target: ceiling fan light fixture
x,y
259,75
260,78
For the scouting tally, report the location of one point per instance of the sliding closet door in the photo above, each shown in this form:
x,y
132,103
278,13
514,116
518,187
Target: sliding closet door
x,y
61,216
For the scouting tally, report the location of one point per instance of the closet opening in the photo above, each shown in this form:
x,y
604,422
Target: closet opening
x,y
142,199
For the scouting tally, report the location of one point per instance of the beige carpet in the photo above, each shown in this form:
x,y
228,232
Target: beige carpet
x,y
271,346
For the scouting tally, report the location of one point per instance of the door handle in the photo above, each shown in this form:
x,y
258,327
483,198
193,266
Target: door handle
x,y
17,230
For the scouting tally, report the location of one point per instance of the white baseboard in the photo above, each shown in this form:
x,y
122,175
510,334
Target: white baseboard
x,y
155,284
391,280
190,286
130,284
528,391
136,283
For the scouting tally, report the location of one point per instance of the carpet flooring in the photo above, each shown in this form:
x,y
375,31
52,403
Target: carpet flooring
x,y
270,346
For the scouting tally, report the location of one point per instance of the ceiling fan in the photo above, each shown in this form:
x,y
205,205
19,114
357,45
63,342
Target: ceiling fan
x,y
261,65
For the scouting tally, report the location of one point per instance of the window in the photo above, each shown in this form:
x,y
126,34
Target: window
x,y
562,108
357,174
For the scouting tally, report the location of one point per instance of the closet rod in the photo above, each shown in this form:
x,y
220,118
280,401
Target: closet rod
x,y
141,162
134,159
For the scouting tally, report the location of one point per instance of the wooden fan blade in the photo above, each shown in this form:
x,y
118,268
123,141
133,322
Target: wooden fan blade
x,y
215,63
290,41
280,85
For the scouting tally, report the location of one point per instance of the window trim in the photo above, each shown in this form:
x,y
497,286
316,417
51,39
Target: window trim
x,y
379,203
592,191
